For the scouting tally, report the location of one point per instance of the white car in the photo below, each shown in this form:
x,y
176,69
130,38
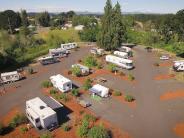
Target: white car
x,y
164,58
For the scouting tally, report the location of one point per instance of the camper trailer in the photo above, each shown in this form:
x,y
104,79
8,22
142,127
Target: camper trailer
x,y
47,60
121,54
97,51
10,77
69,46
40,115
178,65
61,83
84,70
58,52
99,90
123,63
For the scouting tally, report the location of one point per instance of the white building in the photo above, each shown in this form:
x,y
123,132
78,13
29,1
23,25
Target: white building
x,y
100,90
123,63
84,70
40,115
121,54
10,76
79,27
61,83
69,46
58,52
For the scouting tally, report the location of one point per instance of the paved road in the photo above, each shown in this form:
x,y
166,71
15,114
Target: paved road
x,y
151,118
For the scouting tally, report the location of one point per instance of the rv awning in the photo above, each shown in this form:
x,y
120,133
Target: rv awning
x,y
52,103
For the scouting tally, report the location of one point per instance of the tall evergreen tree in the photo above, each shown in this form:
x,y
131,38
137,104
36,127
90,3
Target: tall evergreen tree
x,y
24,18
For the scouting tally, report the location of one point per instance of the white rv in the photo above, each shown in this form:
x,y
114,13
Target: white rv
x,y
125,49
69,46
97,51
47,60
10,77
58,52
123,63
61,83
121,54
100,90
84,70
40,115
178,65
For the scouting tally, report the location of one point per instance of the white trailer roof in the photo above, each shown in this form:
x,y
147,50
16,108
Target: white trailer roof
x,y
119,59
44,58
98,88
57,50
9,73
60,79
40,108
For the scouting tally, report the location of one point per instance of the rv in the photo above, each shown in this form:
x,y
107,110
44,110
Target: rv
x,y
123,63
10,77
58,52
97,51
40,115
121,54
125,49
61,83
178,65
69,46
84,70
99,90
47,60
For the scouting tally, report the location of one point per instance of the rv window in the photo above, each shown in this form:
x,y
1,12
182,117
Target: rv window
x,y
37,120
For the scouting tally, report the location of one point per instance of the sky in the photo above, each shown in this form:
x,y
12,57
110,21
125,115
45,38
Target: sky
x,y
150,6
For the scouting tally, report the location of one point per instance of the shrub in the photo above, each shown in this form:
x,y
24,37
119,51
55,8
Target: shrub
x,y
1,128
129,98
112,67
46,84
76,71
82,130
87,84
17,120
30,70
75,92
65,127
89,118
23,129
117,93
53,91
46,135
64,97
98,132
90,61
131,77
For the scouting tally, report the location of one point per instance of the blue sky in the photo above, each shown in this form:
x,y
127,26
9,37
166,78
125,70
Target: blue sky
x,y
153,6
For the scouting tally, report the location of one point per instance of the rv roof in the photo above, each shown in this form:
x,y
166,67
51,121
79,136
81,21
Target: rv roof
x,y
99,87
121,59
47,57
8,73
52,103
57,50
81,66
40,107
60,78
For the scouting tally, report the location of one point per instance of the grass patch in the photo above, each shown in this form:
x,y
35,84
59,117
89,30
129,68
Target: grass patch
x,y
96,98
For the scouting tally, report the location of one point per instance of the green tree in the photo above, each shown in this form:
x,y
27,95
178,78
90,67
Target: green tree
x,y
76,71
98,132
24,18
43,19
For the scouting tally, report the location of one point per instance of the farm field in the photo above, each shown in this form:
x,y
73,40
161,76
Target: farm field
x,y
155,113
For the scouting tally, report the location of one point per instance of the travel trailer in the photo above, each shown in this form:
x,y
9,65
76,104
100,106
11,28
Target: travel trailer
x,y
61,83
58,52
69,46
84,70
97,51
40,114
10,77
123,63
125,49
178,65
47,60
100,91
121,54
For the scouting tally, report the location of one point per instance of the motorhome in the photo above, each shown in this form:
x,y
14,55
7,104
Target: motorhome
x,y
69,46
121,54
99,90
61,83
178,65
97,51
10,77
58,52
84,70
47,60
40,114
123,63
